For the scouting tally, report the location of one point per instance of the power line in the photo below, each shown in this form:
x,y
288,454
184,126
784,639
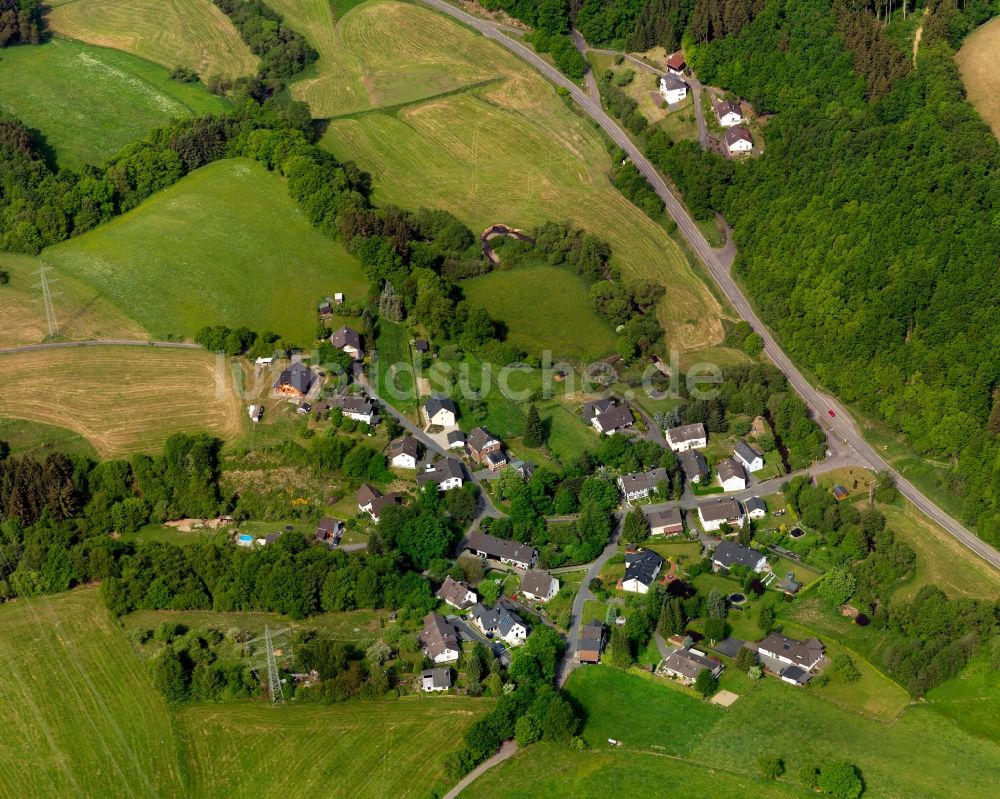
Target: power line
x,y
265,652
50,311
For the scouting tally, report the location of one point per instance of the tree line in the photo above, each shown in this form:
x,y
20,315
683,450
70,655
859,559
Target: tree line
x,y
20,22
282,51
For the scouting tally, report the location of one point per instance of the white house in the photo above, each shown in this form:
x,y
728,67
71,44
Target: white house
x,y
539,586
728,113
607,416
500,621
755,507
668,521
404,452
639,485
347,340
713,515
738,140
448,474
727,554
457,594
641,570
514,553
687,664
676,64
355,407
731,475
440,411
673,89
751,459
439,640
435,679
689,436
804,654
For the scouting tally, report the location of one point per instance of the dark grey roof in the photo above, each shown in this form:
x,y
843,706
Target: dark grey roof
x,y
666,517
614,418
745,451
729,554
737,133
500,619
440,471
346,337
440,678
479,437
643,481
687,432
536,582
421,345
437,402
438,635
800,675
352,403
672,82
298,376
500,547
730,468
803,653
592,409
406,445
755,503
689,663
721,509
694,464
642,566
730,647
455,436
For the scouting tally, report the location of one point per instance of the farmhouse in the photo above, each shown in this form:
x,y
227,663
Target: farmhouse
x,y
347,340
687,664
404,452
295,381
640,484
731,475
439,639
448,474
500,621
355,407
669,521
484,448
689,436
718,512
329,531
457,594
738,140
641,569
539,586
694,465
435,679
591,643
441,411
751,459
755,508
727,554
673,89
676,64
513,553
803,654
728,113
607,416
256,413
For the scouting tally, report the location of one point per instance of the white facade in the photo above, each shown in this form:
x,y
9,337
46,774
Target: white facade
x,y
741,146
734,483
447,656
679,442
359,416
757,513
671,92
404,461
712,526
754,464
443,417
636,586
516,635
730,118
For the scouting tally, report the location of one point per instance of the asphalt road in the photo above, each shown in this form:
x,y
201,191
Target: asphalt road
x,y
840,427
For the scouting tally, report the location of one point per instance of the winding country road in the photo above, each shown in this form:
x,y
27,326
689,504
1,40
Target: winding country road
x,y
840,427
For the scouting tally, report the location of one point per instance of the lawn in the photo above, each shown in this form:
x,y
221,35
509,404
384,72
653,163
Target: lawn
x,y
254,260
970,700
395,365
89,102
979,63
357,749
80,717
570,328
38,440
81,312
190,33
121,399
508,152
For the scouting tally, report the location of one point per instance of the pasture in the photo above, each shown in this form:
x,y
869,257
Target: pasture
x,y
356,749
189,33
80,717
253,259
38,440
81,311
979,63
568,327
89,102
121,399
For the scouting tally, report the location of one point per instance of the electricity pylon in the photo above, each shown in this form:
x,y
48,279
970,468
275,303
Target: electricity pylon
x,y
265,653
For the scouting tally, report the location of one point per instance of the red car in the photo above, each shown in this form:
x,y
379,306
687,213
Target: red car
x,y
831,413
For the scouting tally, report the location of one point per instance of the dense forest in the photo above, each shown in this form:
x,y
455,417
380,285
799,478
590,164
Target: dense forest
x,y
19,22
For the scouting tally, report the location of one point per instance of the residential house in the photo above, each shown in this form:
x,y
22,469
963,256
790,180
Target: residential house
x,y
732,475
687,664
641,570
669,521
714,514
513,553
752,460
484,448
728,113
688,436
439,640
296,381
694,465
404,452
539,586
676,64
738,140
421,346
640,485
440,411
728,554
373,502
256,413
523,468
591,643
354,406
755,508
500,621
329,531
455,439
447,473
607,416
435,679
457,594
347,340
805,655
673,88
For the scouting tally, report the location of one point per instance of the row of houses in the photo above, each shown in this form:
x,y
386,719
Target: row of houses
x,y
792,661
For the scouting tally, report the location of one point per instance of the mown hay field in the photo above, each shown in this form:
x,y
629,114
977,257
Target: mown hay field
x,y
89,102
189,33
979,63
225,245
79,714
121,399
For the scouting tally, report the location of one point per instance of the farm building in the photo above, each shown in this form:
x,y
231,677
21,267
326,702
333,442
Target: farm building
x,y
689,436
669,521
718,512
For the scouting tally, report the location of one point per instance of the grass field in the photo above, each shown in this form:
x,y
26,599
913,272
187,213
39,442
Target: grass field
x,y
979,63
189,33
970,700
252,259
89,102
569,327
80,717
81,312
38,440
121,399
